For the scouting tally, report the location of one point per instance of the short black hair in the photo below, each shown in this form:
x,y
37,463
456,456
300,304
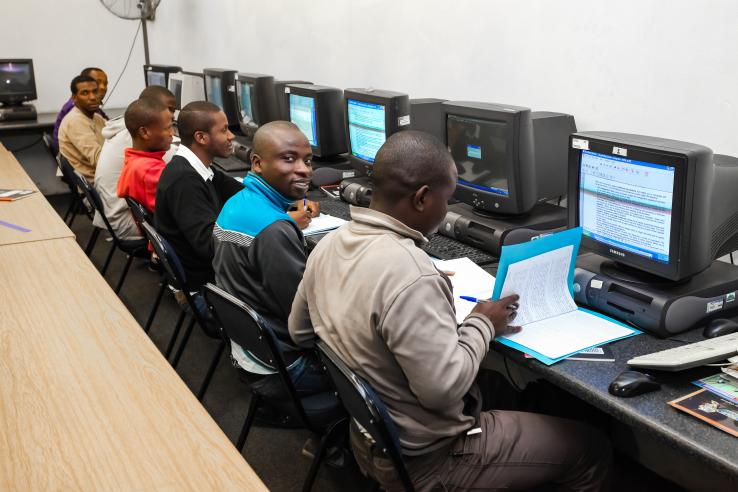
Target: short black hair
x,y
79,79
197,116
143,112
409,160
156,92
89,70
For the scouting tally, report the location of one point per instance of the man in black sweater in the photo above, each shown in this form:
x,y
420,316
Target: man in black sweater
x,y
190,193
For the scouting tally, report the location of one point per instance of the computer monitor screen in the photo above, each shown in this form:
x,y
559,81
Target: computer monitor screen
x,y
213,90
244,99
17,81
479,149
302,114
627,204
156,78
175,87
367,133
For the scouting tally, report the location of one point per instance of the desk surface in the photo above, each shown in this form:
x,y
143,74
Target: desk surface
x,y
87,402
34,212
45,121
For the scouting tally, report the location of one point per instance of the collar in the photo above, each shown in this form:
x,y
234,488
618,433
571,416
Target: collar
x,y
205,172
257,184
374,218
158,155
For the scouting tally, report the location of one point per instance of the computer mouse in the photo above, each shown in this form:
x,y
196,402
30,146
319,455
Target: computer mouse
x,y
719,327
632,383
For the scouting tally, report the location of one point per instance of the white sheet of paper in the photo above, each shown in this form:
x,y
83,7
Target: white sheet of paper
x,y
567,333
542,284
468,280
323,223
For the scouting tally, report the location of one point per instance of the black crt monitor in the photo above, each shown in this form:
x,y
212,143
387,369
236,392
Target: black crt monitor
x,y
17,81
220,89
256,101
175,87
664,207
371,117
159,74
318,112
282,111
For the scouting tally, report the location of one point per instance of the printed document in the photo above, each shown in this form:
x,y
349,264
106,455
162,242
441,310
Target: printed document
x,y
469,280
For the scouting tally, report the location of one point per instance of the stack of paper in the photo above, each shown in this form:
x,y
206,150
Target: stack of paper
x,y
323,223
469,280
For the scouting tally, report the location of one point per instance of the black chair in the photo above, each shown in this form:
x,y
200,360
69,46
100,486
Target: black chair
x,y
365,407
50,146
132,248
175,277
320,413
76,202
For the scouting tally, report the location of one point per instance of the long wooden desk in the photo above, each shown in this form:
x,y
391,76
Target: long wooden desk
x,y
87,402
33,212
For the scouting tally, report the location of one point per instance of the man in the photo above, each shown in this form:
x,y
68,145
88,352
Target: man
x,y
102,88
191,193
80,133
377,300
109,165
149,122
260,251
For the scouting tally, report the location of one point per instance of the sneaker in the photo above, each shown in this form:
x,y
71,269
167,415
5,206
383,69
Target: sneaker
x,y
334,456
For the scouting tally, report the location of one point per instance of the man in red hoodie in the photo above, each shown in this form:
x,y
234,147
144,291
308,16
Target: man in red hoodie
x,y
149,122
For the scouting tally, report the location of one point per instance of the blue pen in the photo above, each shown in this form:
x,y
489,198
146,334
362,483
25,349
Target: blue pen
x,y
470,299
304,204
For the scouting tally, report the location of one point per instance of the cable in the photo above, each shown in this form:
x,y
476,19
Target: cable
x,y
133,44
731,258
24,147
509,376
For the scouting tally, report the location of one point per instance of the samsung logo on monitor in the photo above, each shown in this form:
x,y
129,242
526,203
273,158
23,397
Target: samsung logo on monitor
x,y
616,252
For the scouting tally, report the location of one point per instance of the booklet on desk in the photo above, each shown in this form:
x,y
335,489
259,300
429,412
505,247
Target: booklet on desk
x,y
541,272
323,223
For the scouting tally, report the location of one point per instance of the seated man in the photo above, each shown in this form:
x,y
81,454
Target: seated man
x,y
191,193
260,251
376,299
102,88
80,134
149,122
110,164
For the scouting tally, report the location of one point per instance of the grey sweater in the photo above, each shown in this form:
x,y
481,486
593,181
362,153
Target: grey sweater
x,y
379,302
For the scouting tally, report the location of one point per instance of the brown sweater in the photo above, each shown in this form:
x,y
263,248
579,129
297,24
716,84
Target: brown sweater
x,y
80,141
379,302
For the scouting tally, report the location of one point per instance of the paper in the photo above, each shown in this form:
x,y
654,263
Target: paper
x,y
323,223
540,282
568,333
468,280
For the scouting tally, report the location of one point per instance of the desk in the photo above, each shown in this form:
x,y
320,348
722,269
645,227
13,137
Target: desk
x,y
33,212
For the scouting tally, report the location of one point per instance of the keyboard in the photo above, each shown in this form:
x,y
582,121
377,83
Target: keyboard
x,y
690,355
230,164
335,208
445,248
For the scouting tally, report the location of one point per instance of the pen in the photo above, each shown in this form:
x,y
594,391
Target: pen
x,y
470,299
304,204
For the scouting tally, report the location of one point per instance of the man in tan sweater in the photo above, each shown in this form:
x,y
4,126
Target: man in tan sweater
x,y
80,133
372,295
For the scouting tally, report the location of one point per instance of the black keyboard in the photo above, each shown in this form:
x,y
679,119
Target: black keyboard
x,y
335,208
446,248
230,164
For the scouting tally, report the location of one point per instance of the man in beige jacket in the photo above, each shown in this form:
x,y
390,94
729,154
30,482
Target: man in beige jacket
x,y
372,295
80,133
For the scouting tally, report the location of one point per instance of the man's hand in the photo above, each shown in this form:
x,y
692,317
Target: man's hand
x,y
313,208
302,217
500,313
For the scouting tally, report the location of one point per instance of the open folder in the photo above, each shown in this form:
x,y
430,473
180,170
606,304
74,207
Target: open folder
x,y
541,272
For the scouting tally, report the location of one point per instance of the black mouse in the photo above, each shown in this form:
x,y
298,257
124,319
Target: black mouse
x,y
632,383
719,327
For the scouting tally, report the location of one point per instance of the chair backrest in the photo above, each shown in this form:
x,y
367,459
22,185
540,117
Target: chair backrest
x,y
95,201
68,173
242,324
50,146
140,213
168,258
366,408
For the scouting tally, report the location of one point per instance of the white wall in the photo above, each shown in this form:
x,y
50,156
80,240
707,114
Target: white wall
x,y
65,36
660,67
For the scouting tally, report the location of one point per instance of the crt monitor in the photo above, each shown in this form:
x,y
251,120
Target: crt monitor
x,y
220,89
159,74
186,87
175,87
282,111
371,117
256,101
17,82
653,205
508,158
318,112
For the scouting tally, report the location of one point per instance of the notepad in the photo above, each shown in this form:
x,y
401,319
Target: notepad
x,y
468,279
323,223
542,273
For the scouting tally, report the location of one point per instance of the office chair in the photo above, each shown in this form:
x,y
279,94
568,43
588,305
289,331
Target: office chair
x,y
175,277
132,248
50,146
320,413
77,195
365,407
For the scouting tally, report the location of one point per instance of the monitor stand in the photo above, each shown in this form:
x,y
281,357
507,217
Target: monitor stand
x,y
15,112
653,304
491,232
